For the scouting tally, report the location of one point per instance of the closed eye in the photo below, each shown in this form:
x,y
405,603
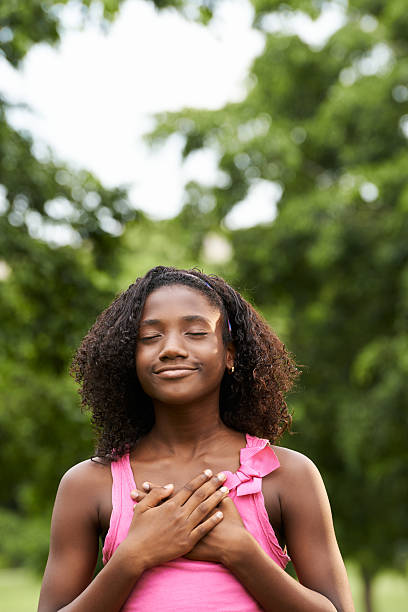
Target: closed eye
x,y
149,337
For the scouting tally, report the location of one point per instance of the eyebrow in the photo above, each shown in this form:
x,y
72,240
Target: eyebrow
x,y
188,318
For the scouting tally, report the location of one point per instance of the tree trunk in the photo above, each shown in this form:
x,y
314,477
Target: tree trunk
x,y
368,591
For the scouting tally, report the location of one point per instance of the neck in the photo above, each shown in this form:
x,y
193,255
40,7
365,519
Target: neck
x,y
189,427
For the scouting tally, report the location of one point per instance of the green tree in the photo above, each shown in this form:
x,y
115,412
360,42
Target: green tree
x,y
49,296
329,125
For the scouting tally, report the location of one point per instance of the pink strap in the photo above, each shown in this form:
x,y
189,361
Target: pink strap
x,y
257,460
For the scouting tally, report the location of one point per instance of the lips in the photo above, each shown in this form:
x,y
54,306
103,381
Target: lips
x,y
174,371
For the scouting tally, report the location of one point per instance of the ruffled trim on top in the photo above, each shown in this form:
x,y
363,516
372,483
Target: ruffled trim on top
x,y
257,459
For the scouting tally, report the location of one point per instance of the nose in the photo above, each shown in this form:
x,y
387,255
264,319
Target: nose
x,y
173,347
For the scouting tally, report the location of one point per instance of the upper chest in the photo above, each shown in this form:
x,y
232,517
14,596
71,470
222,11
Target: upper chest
x,y
181,472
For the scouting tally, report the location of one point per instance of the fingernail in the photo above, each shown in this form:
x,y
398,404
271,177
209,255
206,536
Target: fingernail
x,y
146,486
219,514
224,489
134,494
208,473
169,486
221,476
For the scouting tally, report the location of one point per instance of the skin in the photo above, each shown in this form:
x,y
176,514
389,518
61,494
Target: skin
x,y
180,362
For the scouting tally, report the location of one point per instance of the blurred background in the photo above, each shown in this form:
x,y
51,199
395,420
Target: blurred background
x,y
260,140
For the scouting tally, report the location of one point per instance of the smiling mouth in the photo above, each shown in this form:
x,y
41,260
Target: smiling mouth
x,y
175,372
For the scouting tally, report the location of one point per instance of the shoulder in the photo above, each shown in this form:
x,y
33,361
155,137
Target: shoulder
x,y
293,463
86,471
84,495
86,479
300,481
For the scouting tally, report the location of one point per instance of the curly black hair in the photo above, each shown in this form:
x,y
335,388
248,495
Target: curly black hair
x,y
252,399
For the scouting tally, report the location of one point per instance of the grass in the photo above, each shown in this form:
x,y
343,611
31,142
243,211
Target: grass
x,y
390,591
19,591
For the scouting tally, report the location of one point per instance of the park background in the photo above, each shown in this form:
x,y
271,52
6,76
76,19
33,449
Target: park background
x,y
290,180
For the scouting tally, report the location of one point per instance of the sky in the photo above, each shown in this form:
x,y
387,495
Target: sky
x,y
94,95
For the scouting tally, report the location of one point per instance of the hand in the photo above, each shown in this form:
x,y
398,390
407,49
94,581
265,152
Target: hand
x,y
222,538
163,529
225,537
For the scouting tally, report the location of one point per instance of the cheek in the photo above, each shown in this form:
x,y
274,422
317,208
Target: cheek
x,y
141,361
143,376
216,356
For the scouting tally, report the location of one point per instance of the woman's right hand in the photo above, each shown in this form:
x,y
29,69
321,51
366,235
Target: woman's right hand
x,y
163,529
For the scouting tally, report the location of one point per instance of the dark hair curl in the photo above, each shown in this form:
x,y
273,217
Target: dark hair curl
x,y
251,399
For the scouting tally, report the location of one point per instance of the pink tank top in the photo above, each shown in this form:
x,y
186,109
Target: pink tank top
x,y
186,585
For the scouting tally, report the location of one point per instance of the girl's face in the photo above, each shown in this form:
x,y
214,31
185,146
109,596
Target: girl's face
x,y
180,353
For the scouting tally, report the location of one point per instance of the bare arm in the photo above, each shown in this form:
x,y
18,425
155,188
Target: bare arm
x,y
67,583
163,531
323,584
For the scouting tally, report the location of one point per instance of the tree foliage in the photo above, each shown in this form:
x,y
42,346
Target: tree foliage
x,y
329,124
49,297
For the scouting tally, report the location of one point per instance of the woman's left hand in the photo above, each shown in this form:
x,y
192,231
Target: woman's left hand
x,y
226,536
223,538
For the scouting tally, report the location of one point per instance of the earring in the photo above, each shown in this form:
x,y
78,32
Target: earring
x,y
232,370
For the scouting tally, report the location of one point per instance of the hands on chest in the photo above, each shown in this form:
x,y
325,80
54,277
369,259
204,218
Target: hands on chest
x,y
219,523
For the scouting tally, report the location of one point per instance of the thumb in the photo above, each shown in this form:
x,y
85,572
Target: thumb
x,y
229,509
153,498
227,506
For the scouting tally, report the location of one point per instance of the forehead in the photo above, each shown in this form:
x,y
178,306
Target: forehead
x,y
177,300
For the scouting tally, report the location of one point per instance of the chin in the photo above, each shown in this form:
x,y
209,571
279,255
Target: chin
x,y
181,397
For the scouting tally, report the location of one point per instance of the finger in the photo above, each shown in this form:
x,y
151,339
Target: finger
x,y
148,486
229,509
190,487
203,492
202,511
154,498
203,528
227,505
137,496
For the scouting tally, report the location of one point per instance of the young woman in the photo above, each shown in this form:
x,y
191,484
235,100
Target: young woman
x,y
186,386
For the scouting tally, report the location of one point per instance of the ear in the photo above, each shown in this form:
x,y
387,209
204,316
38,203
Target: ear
x,y
230,353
